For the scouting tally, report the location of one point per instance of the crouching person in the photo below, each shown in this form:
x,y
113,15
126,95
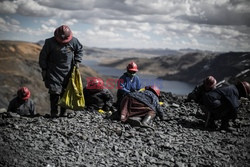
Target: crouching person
x,y
139,108
22,104
223,103
97,96
208,84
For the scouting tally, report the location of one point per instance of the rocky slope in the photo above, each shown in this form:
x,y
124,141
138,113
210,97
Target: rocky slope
x,y
90,139
87,138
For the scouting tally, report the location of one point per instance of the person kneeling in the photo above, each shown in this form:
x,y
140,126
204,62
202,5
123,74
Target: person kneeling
x,y
223,103
139,108
97,96
22,104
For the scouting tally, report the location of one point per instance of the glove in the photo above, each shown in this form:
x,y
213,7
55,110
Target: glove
x,y
132,90
44,73
163,118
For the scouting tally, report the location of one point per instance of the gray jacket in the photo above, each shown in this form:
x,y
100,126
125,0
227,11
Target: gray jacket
x,y
22,107
57,60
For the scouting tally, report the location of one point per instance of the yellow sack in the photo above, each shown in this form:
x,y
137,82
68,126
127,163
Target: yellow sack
x,y
73,97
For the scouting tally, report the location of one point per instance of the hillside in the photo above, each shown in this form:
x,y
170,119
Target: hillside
x,y
88,138
190,67
19,67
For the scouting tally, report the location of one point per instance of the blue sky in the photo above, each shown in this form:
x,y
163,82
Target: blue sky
x,y
216,25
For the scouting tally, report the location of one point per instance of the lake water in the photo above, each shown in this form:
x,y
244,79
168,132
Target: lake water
x,y
176,87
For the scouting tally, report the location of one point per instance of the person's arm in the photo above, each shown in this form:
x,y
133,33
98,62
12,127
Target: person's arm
x,y
78,51
138,83
11,107
122,84
160,112
43,58
32,108
109,99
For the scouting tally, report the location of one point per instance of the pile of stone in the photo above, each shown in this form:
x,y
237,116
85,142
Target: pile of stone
x,y
88,138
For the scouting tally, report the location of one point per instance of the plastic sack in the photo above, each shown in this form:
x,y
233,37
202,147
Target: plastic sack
x,y
73,97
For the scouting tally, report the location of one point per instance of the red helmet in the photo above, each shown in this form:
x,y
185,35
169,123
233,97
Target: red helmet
x,y
210,82
23,93
63,34
132,67
244,88
154,89
95,83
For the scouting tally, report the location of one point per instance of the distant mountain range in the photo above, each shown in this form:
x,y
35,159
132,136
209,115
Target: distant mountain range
x,y
150,52
192,67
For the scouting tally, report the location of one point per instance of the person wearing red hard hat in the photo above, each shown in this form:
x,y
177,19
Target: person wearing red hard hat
x,y
222,103
58,56
22,104
97,96
128,82
139,108
209,83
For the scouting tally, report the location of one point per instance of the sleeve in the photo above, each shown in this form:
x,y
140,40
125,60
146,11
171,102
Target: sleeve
x,y
212,100
159,110
122,84
32,108
11,107
109,99
44,55
78,51
138,84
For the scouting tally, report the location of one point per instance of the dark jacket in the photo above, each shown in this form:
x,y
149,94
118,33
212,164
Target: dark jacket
x,y
197,94
57,60
100,99
220,96
150,99
127,84
22,107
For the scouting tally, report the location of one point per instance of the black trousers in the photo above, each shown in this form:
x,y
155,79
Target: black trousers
x,y
54,99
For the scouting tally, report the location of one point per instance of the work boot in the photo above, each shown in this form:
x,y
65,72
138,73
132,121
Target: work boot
x,y
146,121
210,123
63,112
225,125
134,121
54,114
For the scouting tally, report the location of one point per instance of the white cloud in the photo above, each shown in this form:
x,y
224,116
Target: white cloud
x,y
133,23
8,7
32,8
68,5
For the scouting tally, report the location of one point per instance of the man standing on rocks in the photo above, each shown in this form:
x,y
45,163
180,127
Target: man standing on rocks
x,y
57,58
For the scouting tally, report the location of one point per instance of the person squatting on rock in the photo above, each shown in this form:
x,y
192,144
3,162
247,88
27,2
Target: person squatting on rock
x,y
22,104
222,103
97,96
57,58
128,82
208,84
141,105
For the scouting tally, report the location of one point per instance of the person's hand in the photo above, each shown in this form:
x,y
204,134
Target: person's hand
x,y
163,118
44,73
77,65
